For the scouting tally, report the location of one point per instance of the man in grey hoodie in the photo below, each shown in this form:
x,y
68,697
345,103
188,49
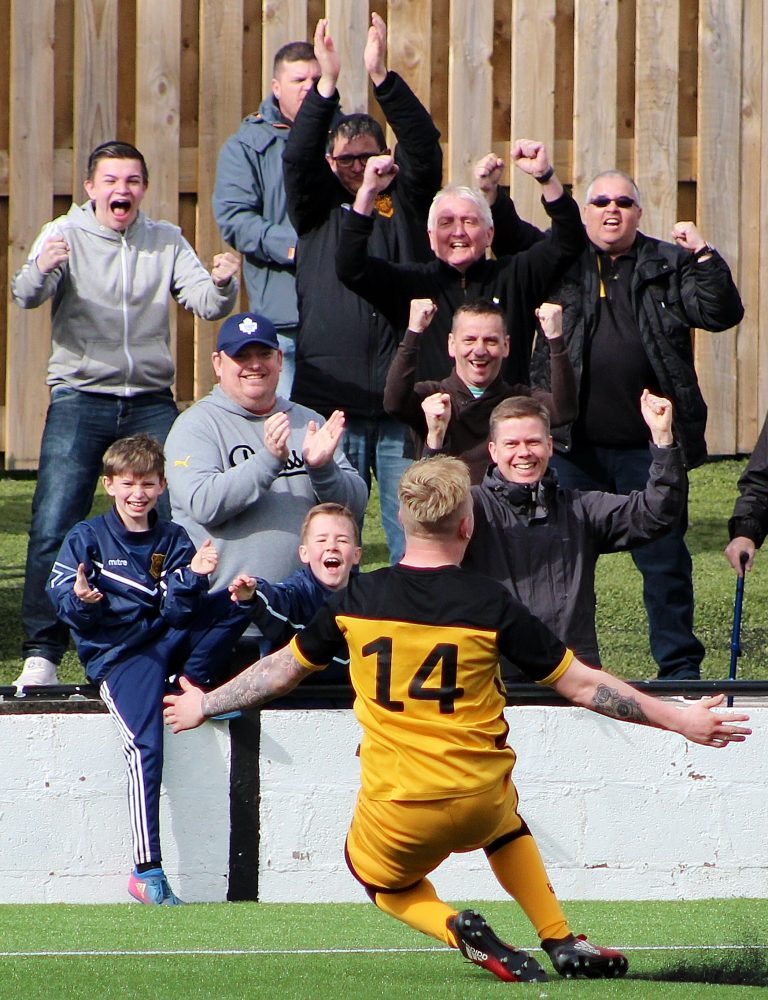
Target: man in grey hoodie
x,y
110,272
244,464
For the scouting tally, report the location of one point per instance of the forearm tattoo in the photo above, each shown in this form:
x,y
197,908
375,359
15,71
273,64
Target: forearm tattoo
x,y
264,679
608,701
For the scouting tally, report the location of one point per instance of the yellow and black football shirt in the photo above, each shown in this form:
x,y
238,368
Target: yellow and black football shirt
x,y
424,650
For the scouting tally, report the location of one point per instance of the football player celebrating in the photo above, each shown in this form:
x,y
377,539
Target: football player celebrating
x,y
424,640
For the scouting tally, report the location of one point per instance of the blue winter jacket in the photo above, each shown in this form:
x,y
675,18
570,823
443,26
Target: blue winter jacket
x,y
145,579
282,609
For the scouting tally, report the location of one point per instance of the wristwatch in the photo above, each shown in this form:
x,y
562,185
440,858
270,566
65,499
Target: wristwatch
x,y
704,251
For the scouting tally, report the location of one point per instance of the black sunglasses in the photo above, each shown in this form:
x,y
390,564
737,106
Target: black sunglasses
x,y
623,201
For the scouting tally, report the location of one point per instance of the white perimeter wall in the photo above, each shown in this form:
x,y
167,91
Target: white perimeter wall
x,y
619,811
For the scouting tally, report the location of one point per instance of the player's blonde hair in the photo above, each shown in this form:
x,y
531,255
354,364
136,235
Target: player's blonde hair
x,y
433,495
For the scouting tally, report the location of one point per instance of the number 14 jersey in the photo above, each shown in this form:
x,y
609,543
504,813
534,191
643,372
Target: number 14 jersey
x,y
424,649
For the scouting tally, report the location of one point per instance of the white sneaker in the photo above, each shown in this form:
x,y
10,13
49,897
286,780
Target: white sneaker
x,y
37,672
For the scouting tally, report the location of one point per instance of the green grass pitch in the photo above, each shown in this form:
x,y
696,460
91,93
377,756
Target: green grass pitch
x,y
709,949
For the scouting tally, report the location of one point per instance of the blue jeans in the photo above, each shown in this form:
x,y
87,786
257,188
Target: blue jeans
x,y
665,564
378,445
79,427
286,338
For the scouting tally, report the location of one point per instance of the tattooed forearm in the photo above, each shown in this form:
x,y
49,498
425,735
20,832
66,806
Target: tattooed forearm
x,y
274,675
608,701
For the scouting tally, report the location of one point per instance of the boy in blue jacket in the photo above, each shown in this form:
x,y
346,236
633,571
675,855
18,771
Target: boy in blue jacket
x,y
134,592
330,549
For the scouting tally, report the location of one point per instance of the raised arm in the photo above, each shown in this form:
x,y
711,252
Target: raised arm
x,y
563,401
605,694
311,187
418,152
210,296
710,297
333,477
400,398
38,278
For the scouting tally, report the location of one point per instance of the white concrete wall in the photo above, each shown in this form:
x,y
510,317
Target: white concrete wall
x,y
64,833
620,812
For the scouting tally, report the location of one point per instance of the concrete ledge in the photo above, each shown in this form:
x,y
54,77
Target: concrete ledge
x,y
620,812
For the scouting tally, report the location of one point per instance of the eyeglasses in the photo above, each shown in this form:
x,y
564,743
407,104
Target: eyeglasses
x,y
623,201
349,159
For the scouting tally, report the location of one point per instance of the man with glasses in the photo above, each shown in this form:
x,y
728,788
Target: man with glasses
x,y
344,346
629,304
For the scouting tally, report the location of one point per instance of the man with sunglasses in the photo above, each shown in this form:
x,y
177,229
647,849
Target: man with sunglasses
x,y
344,346
629,304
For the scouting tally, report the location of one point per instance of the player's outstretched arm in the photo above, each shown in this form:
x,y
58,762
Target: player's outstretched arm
x,y
275,675
603,693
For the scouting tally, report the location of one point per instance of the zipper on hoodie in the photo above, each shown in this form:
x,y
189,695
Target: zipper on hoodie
x,y
124,252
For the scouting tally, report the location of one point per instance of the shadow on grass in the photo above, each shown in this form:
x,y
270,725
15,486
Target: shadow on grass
x,y
743,968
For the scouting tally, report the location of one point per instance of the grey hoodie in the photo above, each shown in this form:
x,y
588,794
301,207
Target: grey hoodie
x,y
111,330
225,485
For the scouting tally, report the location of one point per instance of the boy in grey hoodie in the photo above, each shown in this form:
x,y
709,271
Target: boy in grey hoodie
x,y
110,273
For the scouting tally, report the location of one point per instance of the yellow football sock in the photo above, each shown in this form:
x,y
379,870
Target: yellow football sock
x,y
520,871
420,908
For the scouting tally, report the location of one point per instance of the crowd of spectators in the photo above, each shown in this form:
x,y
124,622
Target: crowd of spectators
x,y
379,330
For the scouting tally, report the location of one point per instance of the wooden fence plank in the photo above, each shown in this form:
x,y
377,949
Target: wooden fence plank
x,y
158,43
30,205
95,91
533,95
158,66
655,167
594,91
281,22
755,255
720,35
409,24
751,349
220,101
348,22
470,86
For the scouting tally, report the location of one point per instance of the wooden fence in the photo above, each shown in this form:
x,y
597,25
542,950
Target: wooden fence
x,y
675,91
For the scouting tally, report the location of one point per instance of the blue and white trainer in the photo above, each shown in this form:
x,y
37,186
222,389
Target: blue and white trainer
x,y
151,887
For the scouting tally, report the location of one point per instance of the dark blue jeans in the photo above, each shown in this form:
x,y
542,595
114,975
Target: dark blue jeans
x,y
665,564
378,445
79,427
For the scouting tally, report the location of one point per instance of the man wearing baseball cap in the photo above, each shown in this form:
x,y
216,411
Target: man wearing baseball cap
x,y
244,465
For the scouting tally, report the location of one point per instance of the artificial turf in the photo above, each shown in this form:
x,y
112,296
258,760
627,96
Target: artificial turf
x,y
706,948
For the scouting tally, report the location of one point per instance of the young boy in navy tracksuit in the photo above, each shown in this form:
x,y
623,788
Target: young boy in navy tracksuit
x,y
134,592
330,549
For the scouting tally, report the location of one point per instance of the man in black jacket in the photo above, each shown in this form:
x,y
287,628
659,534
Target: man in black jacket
x,y
460,232
543,541
344,347
629,304
451,416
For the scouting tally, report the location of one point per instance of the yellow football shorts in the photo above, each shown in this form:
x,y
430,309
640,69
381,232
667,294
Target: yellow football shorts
x,y
392,845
